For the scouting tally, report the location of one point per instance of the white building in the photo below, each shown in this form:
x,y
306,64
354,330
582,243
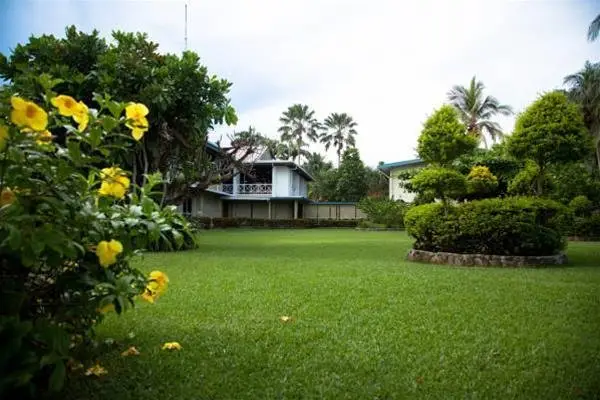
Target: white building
x,y
391,170
276,189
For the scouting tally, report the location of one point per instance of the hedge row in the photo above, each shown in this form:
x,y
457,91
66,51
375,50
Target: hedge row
x,y
517,226
208,223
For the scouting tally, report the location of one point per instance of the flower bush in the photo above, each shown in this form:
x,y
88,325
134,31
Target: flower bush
x,y
70,222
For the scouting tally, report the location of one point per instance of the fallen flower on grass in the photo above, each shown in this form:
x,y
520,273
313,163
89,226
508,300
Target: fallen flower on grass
x,y
132,351
171,346
285,318
96,370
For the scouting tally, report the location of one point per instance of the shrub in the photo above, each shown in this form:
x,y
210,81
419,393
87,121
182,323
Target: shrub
x,y
69,225
385,212
481,182
443,138
581,206
511,226
440,183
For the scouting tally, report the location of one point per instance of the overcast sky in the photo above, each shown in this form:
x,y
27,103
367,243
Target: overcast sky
x,y
387,63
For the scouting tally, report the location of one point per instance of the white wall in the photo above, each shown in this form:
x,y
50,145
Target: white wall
x,y
396,192
281,181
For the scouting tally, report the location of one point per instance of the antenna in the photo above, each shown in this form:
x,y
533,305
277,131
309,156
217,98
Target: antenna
x,y
185,27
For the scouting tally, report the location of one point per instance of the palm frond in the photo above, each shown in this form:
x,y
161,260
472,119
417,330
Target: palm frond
x,y
594,29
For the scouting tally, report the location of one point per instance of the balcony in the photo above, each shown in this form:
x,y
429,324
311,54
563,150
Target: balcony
x,y
246,189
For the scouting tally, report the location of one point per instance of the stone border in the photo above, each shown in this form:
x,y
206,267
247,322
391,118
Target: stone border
x,y
485,259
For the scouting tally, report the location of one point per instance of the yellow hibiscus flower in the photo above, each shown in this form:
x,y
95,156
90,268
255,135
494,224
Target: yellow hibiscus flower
x,y
3,136
96,370
136,111
26,113
132,351
7,197
161,280
137,122
82,116
114,182
107,252
66,105
172,346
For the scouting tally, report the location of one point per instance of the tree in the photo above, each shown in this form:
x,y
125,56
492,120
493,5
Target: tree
x,y
340,133
584,89
440,183
315,163
443,138
324,187
351,183
550,131
184,100
476,110
298,125
594,29
377,183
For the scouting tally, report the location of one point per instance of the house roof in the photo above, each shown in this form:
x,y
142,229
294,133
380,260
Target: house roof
x,y
399,164
301,171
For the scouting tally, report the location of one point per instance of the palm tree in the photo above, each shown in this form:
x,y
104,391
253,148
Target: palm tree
x,y
476,110
584,89
315,163
298,123
340,133
594,29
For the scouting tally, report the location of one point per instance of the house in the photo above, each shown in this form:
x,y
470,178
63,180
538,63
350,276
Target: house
x,y
391,170
276,189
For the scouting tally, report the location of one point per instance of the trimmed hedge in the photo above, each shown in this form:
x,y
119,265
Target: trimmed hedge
x,y
516,226
208,223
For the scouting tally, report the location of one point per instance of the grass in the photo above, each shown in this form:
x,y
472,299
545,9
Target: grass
x,y
366,324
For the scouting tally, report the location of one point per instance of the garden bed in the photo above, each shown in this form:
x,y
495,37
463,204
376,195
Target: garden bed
x,y
485,259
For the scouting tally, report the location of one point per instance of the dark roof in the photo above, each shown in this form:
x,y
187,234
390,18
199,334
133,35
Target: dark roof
x,y
397,164
301,171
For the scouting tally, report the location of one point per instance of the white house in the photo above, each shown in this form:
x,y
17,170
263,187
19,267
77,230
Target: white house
x,y
391,170
276,189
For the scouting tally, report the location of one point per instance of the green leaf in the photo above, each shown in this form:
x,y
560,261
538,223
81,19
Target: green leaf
x,y
115,108
95,136
177,237
57,379
74,151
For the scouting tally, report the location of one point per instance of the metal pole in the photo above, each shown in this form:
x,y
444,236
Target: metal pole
x,y
185,39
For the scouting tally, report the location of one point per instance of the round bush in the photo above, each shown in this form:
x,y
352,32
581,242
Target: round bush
x,y
511,226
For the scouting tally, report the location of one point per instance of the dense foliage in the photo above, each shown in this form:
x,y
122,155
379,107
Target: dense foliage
x,y
185,102
384,211
351,177
70,221
439,183
550,131
443,138
481,182
511,226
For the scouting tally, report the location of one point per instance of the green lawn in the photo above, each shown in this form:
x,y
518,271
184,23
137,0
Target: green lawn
x,y
366,324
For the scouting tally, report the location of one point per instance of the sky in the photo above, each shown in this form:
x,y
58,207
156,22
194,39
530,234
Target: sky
x,y
387,63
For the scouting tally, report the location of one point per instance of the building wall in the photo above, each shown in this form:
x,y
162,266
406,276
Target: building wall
x,y
396,192
281,181
282,210
332,211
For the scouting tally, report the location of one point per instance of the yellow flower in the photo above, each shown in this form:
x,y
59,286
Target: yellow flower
x,y
43,137
82,116
171,346
3,136
107,308
26,113
114,182
66,105
138,133
161,279
136,111
132,351
136,114
7,197
107,252
96,370
285,318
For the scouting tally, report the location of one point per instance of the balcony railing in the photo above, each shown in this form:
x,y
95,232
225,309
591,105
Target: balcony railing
x,y
246,189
